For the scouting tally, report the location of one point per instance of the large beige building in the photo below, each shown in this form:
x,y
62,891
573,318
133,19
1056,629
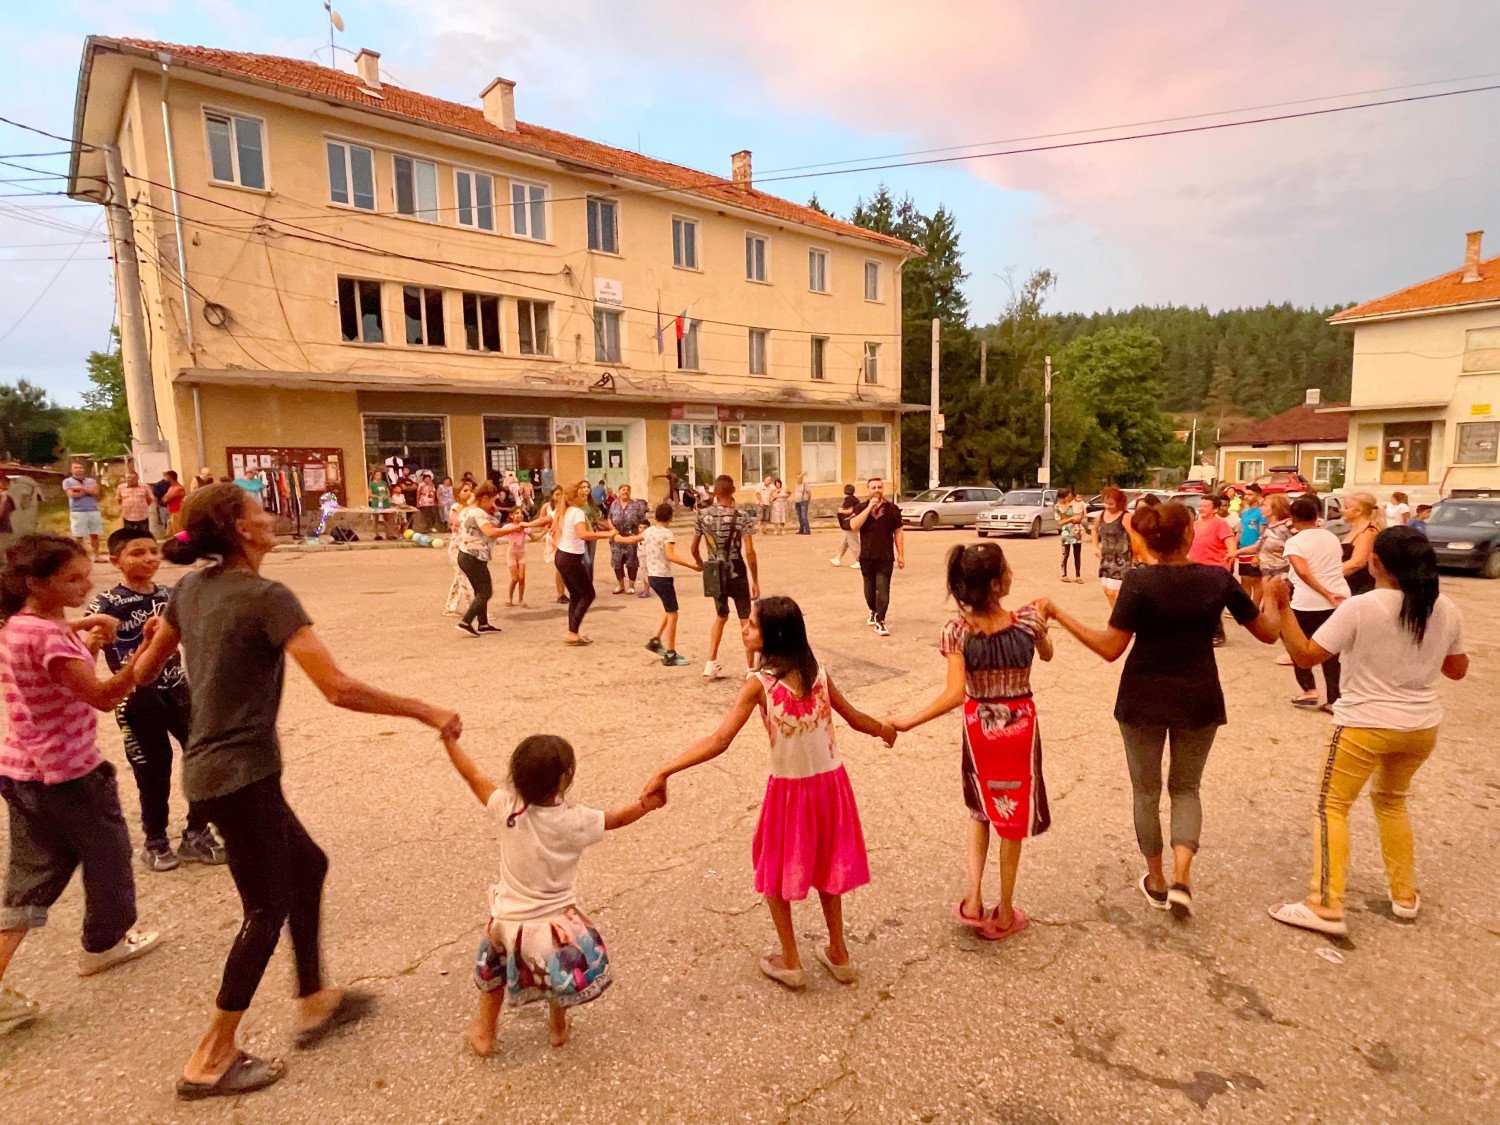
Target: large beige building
x,y
1424,412
336,270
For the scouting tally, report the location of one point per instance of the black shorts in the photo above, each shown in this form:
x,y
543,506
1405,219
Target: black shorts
x,y
1249,569
739,593
666,590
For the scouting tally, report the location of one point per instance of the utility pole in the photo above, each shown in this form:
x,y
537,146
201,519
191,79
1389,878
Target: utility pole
x,y
984,355
1044,477
934,419
135,355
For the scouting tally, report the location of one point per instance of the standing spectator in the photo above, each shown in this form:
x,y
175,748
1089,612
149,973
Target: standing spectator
x,y
135,503
732,573
882,547
1359,510
380,504
1212,535
1111,538
778,506
445,499
1398,511
83,507
802,501
7,509
627,517
1419,521
1071,512
172,499
599,494
406,488
850,542
159,509
427,503
1252,523
204,478
1318,586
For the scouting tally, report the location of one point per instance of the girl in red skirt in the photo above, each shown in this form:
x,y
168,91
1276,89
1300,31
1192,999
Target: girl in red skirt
x,y
989,650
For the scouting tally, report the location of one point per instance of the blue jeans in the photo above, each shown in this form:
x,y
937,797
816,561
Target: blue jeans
x,y
803,527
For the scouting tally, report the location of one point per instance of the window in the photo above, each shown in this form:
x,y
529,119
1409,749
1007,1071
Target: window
x,y
419,441
687,347
1326,468
351,175
872,281
424,316
359,311
820,357
872,362
760,455
607,336
416,188
1477,443
481,322
872,452
1482,350
692,451
820,453
532,337
755,257
235,153
604,225
758,351
476,200
684,243
817,271
528,211
1249,470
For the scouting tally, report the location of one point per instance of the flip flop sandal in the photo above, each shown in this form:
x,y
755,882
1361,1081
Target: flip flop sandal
x,y
581,642
991,930
970,920
245,1075
1407,912
795,979
1304,701
354,1006
844,974
1302,916
1180,901
1156,903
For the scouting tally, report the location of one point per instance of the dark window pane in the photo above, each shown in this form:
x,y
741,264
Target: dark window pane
x,y
485,202
348,310
437,334
471,322
369,313
220,159
406,202
338,177
362,167
252,160
543,333
411,302
489,320
464,183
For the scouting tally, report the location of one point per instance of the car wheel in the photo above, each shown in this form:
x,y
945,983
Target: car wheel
x,y
929,521
984,535
1491,566
1036,529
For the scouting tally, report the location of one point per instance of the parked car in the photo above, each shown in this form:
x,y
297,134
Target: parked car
x,y
1199,486
1022,511
948,507
1284,478
1466,535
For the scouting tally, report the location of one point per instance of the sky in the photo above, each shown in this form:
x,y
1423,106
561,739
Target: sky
x,y
1317,211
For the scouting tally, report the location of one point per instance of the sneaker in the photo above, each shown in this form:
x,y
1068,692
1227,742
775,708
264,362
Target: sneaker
x,y
159,857
881,630
201,847
487,628
16,1010
674,659
466,629
654,645
836,562
854,566
870,620
128,948
713,670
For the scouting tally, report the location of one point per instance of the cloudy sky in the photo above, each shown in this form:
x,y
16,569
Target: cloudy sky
x,y
1314,211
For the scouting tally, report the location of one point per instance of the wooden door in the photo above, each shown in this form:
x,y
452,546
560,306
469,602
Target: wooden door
x,y
1406,450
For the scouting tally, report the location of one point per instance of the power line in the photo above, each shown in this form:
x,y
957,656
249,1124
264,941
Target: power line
x,y
46,288
50,136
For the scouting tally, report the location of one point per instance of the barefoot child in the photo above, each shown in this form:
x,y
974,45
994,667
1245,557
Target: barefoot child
x,y
64,806
659,551
156,712
517,534
809,834
989,650
539,945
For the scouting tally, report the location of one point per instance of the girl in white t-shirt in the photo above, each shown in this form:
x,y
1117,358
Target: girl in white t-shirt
x,y
538,944
1398,511
1396,642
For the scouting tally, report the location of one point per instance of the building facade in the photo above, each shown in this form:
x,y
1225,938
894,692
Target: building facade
x,y
336,271
1424,412
1304,437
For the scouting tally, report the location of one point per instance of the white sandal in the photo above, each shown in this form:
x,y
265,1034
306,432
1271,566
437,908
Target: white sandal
x,y
1407,912
1302,916
795,979
844,974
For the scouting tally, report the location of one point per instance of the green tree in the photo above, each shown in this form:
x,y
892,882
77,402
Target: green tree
x,y
1117,373
28,423
102,426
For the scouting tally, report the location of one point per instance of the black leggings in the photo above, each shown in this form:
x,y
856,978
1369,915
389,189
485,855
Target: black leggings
x,y
1311,620
580,583
279,873
149,720
1077,549
477,571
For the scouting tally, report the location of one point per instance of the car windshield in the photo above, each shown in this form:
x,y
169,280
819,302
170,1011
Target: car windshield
x,y
1024,499
931,496
1466,515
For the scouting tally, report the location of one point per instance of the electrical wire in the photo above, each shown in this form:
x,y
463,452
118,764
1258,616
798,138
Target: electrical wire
x,y
50,136
44,289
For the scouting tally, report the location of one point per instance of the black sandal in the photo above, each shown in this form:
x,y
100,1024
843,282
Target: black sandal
x,y
245,1075
352,1007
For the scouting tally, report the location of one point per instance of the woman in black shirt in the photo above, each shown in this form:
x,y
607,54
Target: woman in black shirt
x,y
1170,686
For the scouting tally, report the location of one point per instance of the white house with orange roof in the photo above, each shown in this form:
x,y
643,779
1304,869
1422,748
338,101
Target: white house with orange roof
x,y
1424,410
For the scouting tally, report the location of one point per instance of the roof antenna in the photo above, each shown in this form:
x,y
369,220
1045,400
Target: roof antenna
x,y
335,23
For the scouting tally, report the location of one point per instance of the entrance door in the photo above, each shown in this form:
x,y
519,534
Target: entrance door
x,y
605,455
1405,454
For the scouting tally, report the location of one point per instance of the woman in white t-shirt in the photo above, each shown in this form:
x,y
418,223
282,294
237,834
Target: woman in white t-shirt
x,y
569,536
1316,564
1396,642
1398,511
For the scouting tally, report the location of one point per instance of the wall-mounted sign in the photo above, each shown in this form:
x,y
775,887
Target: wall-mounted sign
x,y
1372,453
607,291
700,412
567,431
1480,409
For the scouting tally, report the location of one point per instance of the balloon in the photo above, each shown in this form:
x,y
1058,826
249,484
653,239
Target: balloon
x,y
439,541
422,540
408,533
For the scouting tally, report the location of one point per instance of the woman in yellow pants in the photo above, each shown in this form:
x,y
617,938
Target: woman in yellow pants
x,y
1395,642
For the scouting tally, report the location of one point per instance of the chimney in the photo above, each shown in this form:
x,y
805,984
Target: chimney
x,y
739,165
1471,255
1314,396
499,99
367,66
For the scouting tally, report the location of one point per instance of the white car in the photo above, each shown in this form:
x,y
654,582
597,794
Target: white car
x,y
1022,511
947,507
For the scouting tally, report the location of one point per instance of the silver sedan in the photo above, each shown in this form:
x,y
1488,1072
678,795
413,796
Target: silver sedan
x,y
947,507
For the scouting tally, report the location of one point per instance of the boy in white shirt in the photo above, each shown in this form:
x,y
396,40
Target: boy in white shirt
x,y
658,553
1318,586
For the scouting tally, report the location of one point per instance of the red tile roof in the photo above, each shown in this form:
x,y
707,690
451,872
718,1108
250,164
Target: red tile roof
x,y
1300,423
1446,292
310,78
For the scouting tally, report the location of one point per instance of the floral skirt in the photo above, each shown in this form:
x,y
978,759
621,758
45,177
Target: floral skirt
x,y
561,959
460,593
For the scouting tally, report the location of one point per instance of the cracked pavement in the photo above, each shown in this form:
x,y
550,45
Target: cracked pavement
x,y
1102,1011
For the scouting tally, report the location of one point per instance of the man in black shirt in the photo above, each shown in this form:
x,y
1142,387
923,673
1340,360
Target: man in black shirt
x,y
882,548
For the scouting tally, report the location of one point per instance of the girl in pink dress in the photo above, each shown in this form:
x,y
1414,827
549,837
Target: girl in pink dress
x,y
809,834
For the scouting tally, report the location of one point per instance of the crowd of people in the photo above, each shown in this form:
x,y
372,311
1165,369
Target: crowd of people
x,y
177,662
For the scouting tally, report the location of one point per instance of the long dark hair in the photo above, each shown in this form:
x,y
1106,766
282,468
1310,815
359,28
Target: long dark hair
x,y
537,768
32,556
1408,557
209,519
783,641
973,571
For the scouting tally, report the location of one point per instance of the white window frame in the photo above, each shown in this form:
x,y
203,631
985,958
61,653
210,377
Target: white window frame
x,y
604,316
1324,478
349,147
870,369
423,292
478,299
833,470
1458,441
1241,462
689,358
417,163
233,119
691,447
752,480
529,205
472,222
863,469
526,306
447,420
818,262
765,258
817,359
872,264
679,244
763,336
359,309
593,203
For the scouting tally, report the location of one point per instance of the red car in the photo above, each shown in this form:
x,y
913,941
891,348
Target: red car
x,y
1284,479
1198,486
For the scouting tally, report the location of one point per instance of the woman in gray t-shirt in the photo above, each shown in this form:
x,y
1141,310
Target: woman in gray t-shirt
x,y
235,628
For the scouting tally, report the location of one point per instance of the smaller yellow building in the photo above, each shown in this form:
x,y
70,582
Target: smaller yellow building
x,y
1304,437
